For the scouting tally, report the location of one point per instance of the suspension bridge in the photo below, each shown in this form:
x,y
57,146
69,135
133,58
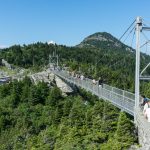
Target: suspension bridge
x,y
124,100
120,98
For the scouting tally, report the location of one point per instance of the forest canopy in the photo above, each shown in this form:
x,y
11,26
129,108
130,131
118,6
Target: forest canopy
x,y
36,117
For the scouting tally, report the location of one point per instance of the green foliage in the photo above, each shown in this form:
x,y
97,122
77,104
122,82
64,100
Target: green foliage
x,y
124,132
36,117
54,96
94,57
115,64
124,135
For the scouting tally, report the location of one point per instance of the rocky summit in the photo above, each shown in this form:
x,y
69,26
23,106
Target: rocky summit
x,y
100,38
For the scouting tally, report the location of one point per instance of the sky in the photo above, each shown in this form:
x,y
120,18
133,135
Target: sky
x,y
66,22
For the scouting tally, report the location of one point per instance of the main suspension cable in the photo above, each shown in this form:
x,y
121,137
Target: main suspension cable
x,y
127,30
132,38
129,34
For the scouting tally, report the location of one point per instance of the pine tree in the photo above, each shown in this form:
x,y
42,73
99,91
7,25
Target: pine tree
x,y
124,133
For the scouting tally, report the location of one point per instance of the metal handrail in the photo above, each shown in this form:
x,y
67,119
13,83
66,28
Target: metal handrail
x,y
122,101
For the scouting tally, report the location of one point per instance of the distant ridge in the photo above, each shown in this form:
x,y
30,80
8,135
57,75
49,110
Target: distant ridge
x,y
102,40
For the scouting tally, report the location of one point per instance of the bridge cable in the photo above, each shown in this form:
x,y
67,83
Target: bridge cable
x,y
146,22
132,38
145,36
129,34
146,48
127,30
124,41
146,43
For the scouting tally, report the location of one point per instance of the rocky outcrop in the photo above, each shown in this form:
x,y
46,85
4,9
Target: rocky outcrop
x,y
44,76
3,74
63,86
100,38
5,63
50,78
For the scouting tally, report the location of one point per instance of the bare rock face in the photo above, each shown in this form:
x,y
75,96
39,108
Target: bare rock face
x,y
65,88
48,77
42,76
5,63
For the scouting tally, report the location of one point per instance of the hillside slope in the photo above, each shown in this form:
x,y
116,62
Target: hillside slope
x,y
98,55
103,40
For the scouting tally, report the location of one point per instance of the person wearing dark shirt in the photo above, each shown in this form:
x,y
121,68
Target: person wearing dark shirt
x,y
145,99
100,82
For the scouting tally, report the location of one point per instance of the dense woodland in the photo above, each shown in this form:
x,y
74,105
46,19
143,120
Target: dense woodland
x,y
36,117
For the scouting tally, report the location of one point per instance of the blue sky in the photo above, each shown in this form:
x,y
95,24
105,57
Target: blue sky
x,y
66,22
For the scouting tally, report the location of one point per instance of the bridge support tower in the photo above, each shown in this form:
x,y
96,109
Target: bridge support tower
x,y
141,123
53,61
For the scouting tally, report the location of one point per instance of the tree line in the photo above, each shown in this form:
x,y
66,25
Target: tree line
x,y
115,65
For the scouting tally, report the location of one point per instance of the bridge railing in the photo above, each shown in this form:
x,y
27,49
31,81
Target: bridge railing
x,y
122,99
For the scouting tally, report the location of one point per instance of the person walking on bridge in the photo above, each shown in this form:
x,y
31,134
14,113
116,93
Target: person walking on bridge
x,y
94,81
147,110
144,100
100,82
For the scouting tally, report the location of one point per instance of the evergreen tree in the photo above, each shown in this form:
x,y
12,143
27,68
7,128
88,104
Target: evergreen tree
x,y
125,131
54,96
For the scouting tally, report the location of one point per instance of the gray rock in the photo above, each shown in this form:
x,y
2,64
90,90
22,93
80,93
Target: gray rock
x,y
65,88
48,77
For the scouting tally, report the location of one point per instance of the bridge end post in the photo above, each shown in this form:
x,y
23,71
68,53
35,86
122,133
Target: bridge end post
x,y
137,67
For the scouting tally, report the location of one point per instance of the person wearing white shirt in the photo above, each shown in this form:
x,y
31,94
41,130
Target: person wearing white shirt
x,y
145,107
147,110
94,81
147,114
82,77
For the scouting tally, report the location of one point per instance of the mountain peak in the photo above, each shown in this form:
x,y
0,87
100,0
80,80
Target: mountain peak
x,y
100,38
